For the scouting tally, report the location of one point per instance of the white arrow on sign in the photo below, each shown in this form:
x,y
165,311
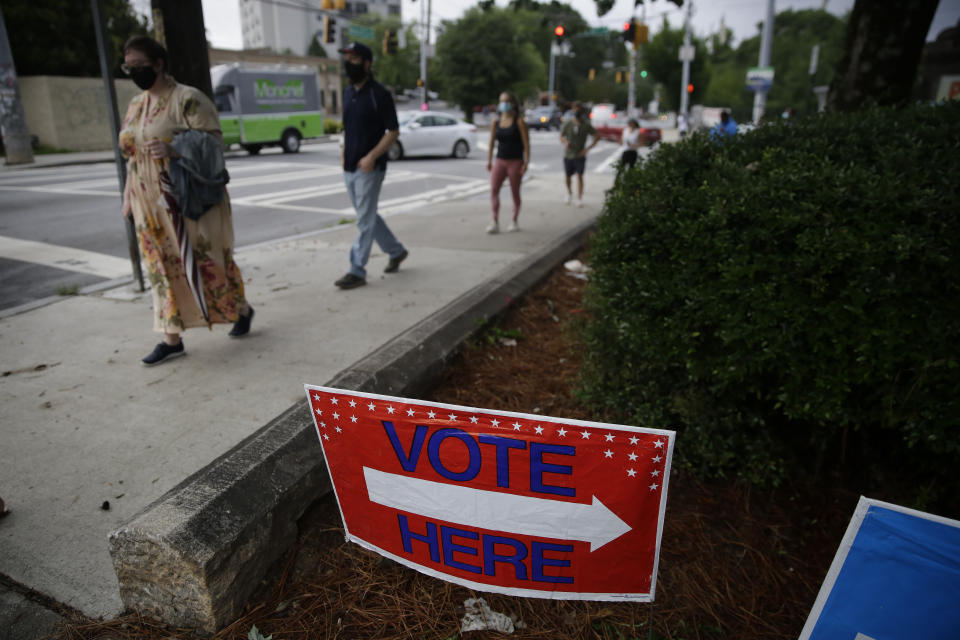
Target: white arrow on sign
x,y
506,512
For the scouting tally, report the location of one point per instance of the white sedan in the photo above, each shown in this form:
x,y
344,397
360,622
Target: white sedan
x,y
431,133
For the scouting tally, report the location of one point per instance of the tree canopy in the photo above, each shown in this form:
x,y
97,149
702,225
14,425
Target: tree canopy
x,y
57,37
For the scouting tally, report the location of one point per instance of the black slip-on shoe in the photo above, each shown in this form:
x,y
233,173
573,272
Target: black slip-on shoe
x,y
163,352
242,326
394,263
350,281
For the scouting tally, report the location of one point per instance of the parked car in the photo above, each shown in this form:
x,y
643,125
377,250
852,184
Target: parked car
x,y
431,133
543,118
603,114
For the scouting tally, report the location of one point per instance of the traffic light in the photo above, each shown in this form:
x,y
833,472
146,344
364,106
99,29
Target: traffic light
x,y
630,31
389,42
619,77
643,73
329,29
642,34
559,31
326,5
690,88
340,5
592,75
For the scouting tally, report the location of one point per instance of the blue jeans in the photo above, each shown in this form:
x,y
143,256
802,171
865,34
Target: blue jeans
x,y
364,191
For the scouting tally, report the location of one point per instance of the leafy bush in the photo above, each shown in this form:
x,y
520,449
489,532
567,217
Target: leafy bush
x,y
788,298
332,126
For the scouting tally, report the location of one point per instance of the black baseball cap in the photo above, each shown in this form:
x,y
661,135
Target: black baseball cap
x,y
360,49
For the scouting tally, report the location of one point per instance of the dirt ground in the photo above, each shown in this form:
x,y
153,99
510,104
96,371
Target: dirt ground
x,y
734,562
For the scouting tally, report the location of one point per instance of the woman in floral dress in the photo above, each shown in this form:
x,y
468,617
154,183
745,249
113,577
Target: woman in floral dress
x,y
194,280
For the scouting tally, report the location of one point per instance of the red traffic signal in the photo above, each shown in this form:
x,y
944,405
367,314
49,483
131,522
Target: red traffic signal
x,y
690,88
629,31
559,30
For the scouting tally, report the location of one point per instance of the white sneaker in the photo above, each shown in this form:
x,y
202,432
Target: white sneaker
x,y
569,199
513,227
493,227
580,204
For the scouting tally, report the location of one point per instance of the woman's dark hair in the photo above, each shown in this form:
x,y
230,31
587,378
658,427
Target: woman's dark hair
x,y
634,123
148,47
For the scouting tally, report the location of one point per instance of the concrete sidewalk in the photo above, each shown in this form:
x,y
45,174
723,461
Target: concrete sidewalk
x,y
84,424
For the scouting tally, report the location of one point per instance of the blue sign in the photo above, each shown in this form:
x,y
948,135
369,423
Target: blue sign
x,y
895,575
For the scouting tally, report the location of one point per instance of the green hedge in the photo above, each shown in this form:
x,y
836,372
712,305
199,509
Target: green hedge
x,y
332,126
787,299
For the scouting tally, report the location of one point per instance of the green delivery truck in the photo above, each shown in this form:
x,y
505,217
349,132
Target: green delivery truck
x,y
267,105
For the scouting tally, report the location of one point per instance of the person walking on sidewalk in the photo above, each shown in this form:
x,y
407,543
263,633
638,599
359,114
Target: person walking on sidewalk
x,y
193,278
369,128
509,131
573,137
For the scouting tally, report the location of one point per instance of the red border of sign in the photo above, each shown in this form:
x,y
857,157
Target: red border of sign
x,y
492,588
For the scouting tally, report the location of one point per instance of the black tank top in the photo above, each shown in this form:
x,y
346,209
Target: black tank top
x,y
509,142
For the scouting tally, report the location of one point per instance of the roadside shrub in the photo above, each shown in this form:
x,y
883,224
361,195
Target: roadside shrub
x,y
787,299
332,126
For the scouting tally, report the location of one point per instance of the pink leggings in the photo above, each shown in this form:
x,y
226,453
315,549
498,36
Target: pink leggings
x,y
501,169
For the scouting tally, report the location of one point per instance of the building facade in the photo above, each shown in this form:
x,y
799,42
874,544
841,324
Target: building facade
x,y
291,26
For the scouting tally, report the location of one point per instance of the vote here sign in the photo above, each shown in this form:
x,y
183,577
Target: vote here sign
x,y
511,503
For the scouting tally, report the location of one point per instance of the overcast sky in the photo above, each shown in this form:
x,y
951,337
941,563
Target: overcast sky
x,y
222,17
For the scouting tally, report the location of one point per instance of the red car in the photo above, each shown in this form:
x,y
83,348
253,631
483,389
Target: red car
x,y
649,135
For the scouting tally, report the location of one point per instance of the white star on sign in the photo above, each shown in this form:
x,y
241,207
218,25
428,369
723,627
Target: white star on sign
x,y
631,472
339,430
516,426
353,404
333,401
656,459
634,440
336,416
431,414
410,412
453,417
371,406
655,473
609,437
326,437
654,486
323,425
585,435
390,410
474,419
632,456
316,396
608,453
658,444
319,412
539,430
353,419
494,422
562,432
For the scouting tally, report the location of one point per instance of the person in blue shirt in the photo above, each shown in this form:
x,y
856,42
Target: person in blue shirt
x,y
726,127
369,128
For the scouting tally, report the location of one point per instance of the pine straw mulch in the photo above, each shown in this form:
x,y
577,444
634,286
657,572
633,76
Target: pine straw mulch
x,y
734,563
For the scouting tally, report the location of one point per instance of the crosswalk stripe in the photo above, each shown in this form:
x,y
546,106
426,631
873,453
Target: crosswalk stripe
x,y
68,258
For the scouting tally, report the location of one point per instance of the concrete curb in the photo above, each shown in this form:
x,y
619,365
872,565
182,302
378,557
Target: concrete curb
x,y
194,557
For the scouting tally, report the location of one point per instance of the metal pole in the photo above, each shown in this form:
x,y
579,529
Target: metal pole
x,y
553,49
423,55
766,45
13,126
632,86
426,88
99,28
685,78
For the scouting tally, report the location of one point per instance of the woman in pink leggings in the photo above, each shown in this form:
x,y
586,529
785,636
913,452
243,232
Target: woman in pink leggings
x,y
509,131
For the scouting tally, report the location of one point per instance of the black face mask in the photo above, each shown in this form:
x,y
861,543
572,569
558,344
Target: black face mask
x,y
355,72
143,77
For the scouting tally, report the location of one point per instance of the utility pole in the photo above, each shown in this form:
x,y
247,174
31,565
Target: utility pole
x,y
425,7
686,56
179,27
13,126
766,45
99,27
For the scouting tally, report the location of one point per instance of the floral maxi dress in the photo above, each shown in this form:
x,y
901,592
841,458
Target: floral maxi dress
x,y
175,307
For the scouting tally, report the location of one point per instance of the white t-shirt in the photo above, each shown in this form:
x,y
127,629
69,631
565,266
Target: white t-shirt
x,y
628,137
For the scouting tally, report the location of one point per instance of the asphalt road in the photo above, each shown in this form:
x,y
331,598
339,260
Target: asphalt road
x,y
61,229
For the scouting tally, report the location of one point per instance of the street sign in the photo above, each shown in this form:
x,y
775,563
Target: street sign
x,y
495,501
687,53
896,574
361,33
759,78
